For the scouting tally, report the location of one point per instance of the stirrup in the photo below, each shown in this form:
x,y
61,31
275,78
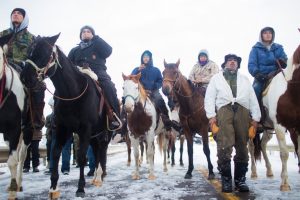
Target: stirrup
x,y
119,121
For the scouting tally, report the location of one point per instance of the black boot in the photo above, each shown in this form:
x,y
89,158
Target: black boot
x,y
240,170
226,178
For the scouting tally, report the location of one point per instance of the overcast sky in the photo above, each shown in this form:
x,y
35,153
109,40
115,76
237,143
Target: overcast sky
x,y
171,29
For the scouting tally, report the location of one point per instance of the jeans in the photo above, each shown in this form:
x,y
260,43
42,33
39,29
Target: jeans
x,y
258,87
91,158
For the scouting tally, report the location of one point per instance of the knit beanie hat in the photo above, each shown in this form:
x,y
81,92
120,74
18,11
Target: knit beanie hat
x,y
87,27
21,10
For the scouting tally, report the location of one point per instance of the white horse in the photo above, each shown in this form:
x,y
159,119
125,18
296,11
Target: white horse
x,y
142,122
12,103
276,88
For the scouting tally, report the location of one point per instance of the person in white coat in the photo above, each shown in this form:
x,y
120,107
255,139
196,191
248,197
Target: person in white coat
x,y
231,104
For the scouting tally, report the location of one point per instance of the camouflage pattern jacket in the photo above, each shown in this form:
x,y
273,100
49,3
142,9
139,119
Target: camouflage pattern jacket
x,y
18,46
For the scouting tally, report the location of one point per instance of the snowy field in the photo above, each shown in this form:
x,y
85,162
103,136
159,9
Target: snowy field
x,y
170,185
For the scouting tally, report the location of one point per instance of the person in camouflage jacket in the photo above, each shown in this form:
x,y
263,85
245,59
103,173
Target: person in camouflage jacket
x,y
18,50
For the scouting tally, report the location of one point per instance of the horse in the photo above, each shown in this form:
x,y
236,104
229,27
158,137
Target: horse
x,y
176,133
124,131
78,108
272,94
191,113
142,122
288,109
13,114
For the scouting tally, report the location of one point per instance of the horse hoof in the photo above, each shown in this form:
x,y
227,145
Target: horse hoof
x,y
285,188
188,176
80,193
270,174
152,177
97,183
165,170
211,176
12,195
181,164
173,164
128,164
20,189
54,195
135,177
253,176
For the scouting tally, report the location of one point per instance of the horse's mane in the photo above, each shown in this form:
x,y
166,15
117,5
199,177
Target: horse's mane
x,y
142,91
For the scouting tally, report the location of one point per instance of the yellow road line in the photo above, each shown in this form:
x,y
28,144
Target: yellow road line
x,y
217,185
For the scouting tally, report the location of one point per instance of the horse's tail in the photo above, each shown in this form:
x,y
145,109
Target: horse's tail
x,y
257,147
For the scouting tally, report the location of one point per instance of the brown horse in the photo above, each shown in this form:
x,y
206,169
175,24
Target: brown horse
x,y
191,113
288,108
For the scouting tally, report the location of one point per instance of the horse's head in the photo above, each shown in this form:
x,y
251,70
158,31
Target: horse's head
x,y
296,56
131,91
42,56
170,77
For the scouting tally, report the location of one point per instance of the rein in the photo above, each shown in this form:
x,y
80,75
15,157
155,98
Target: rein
x,y
2,85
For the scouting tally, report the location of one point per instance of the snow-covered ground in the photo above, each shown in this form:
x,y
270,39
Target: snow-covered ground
x,y
170,185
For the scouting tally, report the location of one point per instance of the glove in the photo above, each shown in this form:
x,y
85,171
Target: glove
x,y
252,130
213,125
280,63
261,77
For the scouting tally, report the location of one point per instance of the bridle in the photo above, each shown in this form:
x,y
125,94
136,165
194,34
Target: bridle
x,y
53,62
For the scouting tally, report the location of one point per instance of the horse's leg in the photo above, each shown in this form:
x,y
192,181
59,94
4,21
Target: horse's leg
x,y
168,155
84,138
284,155
181,149
150,153
12,163
103,152
56,148
165,147
264,140
298,152
97,179
189,143
206,151
128,144
135,143
141,143
253,164
173,154
22,157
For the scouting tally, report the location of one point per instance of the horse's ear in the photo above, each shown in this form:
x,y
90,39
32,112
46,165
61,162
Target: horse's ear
x,y
177,63
5,39
124,76
165,63
53,39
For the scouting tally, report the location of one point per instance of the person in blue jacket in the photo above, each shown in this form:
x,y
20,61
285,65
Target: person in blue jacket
x,y
266,59
151,80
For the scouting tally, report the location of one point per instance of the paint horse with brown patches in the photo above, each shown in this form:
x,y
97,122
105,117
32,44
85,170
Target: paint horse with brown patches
x,y
288,107
191,113
142,121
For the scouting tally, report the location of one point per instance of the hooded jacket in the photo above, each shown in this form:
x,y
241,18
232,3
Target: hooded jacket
x,y
262,59
204,73
151,77
19,44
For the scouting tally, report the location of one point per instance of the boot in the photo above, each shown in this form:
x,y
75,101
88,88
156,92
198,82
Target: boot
x,y
240,170
226,178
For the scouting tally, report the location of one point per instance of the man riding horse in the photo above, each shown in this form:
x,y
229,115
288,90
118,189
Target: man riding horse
x,y
91,53
151,80
18,48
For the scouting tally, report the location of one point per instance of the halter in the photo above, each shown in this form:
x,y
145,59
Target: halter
x,y
42,71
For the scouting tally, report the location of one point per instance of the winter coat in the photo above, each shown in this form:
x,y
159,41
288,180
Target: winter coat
x,y
262,59
151,77
92,54
219,94
204,73
18,47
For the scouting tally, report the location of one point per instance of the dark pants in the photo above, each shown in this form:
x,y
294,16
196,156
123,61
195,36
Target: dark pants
x,y
32,154
258,87
109,89
161,108
48,146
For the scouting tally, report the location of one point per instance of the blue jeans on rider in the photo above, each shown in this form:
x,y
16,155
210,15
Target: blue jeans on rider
x,y
91,158
258,87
